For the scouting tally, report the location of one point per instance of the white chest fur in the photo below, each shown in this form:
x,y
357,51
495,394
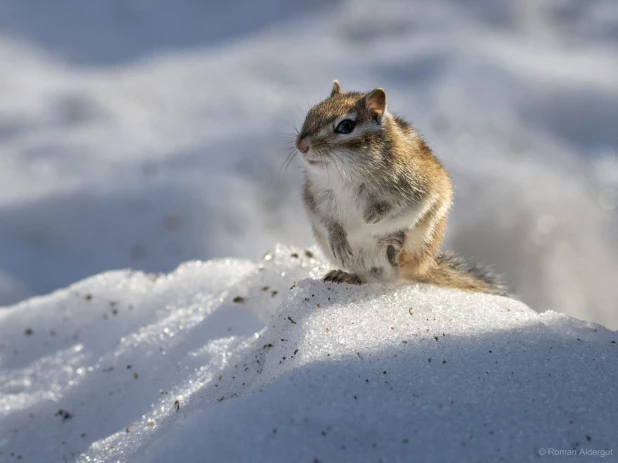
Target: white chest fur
x,y
342,203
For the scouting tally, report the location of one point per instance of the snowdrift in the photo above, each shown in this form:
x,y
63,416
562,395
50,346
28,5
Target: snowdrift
x,y
230,360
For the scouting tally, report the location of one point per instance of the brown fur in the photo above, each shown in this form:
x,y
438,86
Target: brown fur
x,y
393,170
419,261
454,272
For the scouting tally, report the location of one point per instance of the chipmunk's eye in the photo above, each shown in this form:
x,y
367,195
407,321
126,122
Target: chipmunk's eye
x,y
345,126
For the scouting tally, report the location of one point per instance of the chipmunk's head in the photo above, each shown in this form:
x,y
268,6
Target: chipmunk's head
x,y
344,131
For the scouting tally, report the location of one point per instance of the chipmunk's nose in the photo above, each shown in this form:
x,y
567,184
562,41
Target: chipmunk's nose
x,y
303,145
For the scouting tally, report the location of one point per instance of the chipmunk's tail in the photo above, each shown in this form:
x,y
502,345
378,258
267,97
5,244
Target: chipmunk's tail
x,y
452,271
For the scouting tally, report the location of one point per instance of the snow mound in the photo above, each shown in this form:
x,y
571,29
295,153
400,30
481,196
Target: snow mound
x,y
237,361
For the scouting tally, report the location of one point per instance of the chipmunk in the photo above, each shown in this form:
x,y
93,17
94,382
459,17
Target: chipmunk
x,y
377,197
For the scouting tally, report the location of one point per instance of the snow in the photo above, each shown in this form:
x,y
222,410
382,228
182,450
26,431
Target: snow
x,y
140,134
269,363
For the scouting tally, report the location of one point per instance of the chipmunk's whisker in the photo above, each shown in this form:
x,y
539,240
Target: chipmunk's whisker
x,y
292,152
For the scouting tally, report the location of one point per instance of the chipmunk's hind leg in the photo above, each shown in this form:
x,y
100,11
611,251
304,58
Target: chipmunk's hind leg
x,y
339,276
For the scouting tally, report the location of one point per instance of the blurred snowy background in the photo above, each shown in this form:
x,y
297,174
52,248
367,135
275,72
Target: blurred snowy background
x,y
145,133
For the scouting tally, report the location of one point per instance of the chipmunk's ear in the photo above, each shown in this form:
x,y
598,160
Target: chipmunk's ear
x,y
376,104
336,89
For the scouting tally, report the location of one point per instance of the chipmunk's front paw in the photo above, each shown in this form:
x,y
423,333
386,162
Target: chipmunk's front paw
x,y
394,239
341,250
339,276
376,212
393,244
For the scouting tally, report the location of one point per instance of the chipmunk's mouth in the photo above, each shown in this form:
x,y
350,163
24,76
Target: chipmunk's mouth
x,y
314,161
